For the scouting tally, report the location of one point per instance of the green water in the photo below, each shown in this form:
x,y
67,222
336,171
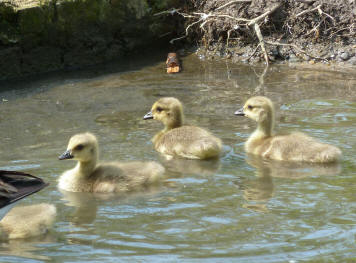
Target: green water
x,y
239,209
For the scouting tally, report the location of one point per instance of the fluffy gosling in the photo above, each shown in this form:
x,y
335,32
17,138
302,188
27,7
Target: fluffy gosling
x,y
114,177
178,140
291,147
27,221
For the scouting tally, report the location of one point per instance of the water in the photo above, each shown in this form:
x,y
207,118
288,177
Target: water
x,y
239,209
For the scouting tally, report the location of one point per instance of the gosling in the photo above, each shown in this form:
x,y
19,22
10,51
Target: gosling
x,y
178,140
291,147
115,177
24,221
27,221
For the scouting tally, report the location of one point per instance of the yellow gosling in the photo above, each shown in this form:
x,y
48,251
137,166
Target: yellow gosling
x,y
178,140
291,147
114,177
27,221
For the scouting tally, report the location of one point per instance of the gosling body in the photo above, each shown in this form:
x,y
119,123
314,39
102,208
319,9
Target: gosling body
x,y
27,221
114,177
290,147
177,139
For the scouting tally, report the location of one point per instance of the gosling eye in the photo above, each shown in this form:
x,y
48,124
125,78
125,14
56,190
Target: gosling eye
x,y
250,107
79,147
159,109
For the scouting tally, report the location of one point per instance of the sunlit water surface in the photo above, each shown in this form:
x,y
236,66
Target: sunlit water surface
x,y
240,209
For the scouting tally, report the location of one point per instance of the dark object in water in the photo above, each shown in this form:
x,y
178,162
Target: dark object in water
x,y
173,64
17,185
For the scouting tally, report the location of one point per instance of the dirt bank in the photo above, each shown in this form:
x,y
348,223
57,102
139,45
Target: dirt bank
x,y
272,30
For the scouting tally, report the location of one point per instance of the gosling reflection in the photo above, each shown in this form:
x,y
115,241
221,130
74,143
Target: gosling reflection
x,y
190,166
86,205
29,248
259,191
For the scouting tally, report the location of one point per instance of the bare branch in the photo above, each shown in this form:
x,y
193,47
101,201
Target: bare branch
x,y
322,12
307,11
262,43
253,53
257,19
186,31
314,9
233,2
238,19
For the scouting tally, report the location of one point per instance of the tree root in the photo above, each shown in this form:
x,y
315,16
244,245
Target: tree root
x,y
204,20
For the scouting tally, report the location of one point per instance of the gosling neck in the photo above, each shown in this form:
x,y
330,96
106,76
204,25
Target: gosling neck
x,y
85,168
175,122
265,128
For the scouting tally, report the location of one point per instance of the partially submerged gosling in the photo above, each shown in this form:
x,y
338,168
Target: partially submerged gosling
x,y
88,176
177,140
27,221
292,147
15,186
22,221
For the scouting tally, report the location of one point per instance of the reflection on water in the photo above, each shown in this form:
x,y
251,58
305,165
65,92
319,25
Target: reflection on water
x,y
239,208
84,204
182,166
259,190
28,248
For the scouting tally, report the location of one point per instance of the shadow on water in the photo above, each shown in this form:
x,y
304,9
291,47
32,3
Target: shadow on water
x,y
31,85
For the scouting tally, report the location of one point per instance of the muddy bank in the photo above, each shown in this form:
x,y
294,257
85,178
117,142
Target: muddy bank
x,y
69,34
272,30
62,34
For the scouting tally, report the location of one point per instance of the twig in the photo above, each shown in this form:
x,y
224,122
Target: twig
x,y
342,29
257,19
307,11
228,37
306,1
322,12
177,38
172,12
203,24
262,43
253,53
315,28
233,2
314,9
254,22
186,31
238,19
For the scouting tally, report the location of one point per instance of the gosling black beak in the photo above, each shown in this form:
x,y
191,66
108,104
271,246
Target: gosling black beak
x,y
66,155
148,116
240,112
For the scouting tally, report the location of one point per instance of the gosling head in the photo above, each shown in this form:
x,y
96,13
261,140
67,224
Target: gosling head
x,y
168,110
81,147
259,109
